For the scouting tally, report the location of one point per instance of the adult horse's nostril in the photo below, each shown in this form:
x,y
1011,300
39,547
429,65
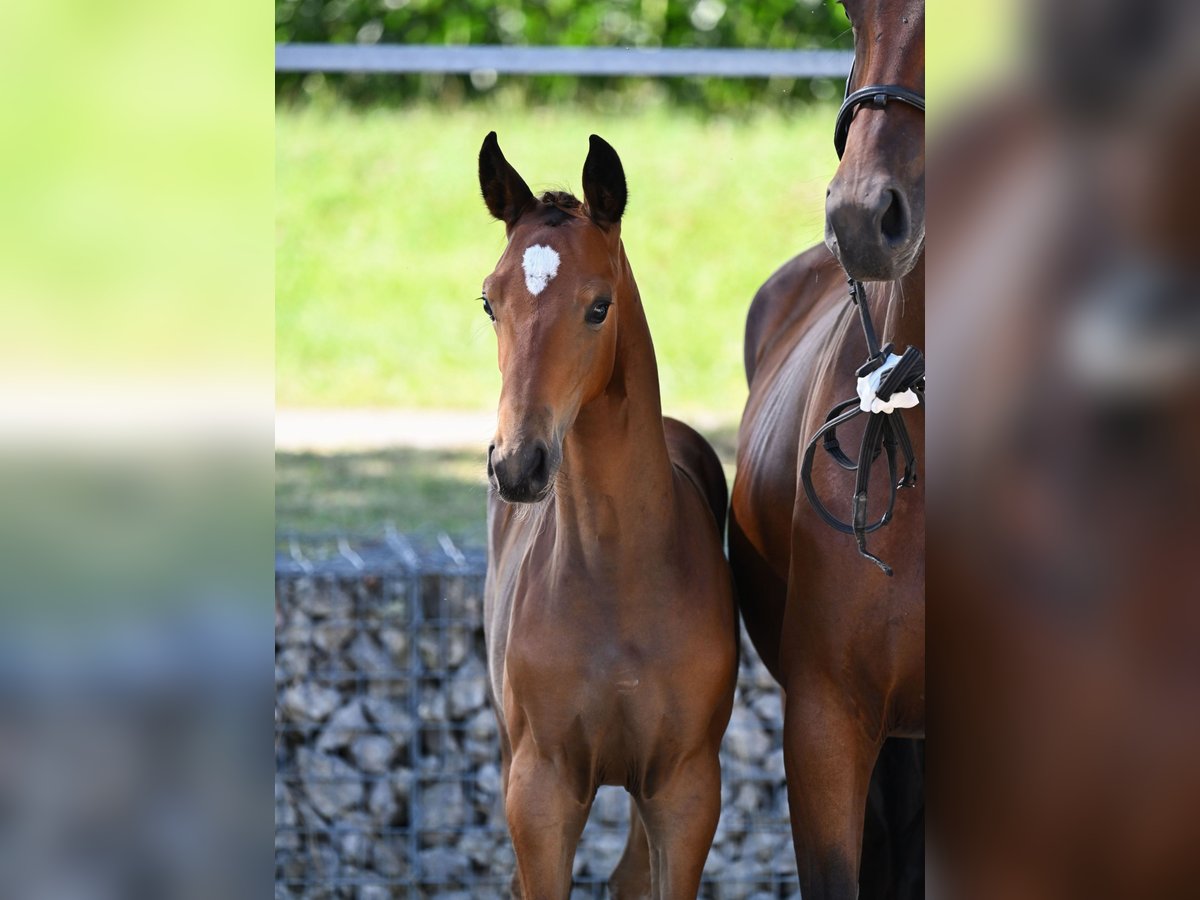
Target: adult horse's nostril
x,y
490,470
894,223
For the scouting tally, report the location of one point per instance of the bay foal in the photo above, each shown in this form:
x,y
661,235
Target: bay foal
x,y
611,624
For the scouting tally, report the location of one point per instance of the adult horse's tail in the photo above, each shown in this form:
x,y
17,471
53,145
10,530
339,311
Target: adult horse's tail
x,y
893,852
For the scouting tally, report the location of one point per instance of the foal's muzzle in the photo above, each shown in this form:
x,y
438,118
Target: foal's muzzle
x,y
522,472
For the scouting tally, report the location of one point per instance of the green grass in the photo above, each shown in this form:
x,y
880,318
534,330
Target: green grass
x,y
420,491
382,241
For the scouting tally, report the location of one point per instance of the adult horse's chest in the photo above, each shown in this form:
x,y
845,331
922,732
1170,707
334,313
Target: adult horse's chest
x,y
807,370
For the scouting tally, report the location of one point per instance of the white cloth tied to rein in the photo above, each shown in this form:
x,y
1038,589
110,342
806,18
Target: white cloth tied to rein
x,y
868,385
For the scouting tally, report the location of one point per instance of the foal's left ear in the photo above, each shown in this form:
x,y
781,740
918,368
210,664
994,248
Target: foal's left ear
x,y
604,183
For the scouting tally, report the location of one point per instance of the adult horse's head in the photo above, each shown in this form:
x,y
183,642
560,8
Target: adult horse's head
x,y
875,206
554,301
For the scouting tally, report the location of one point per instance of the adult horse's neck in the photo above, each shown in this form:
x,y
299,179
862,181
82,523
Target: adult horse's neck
x,y
616,479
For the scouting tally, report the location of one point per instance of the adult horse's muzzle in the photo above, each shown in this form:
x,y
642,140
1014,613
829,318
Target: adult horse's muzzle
x,y
523,472
875,227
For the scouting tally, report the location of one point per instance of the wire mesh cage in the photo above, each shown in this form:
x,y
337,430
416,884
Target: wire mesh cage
x,y
387,778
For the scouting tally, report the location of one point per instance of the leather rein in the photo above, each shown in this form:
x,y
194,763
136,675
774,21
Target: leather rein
x,y
886,383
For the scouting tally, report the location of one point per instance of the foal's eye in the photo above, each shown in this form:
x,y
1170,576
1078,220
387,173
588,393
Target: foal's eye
x,y
487,308
598,312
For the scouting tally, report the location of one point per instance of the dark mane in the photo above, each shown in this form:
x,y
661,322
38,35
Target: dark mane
x,y
557,207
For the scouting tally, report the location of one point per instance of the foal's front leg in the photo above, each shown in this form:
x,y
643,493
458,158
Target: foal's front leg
x,y
681,819
546,816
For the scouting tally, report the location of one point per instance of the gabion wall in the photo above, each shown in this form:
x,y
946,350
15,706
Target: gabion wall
x,y
387,774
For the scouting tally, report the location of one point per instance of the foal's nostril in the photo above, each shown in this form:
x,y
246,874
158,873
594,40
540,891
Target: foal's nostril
x,y
538,471
893,222
490,470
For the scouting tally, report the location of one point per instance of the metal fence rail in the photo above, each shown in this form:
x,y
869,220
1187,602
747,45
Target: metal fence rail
x,y
387,760
612,61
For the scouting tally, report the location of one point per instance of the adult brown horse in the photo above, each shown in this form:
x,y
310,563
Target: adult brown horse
x,y
846,642
611,624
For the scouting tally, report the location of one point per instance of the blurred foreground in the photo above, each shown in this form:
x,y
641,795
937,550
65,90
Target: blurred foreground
x,y
1064,348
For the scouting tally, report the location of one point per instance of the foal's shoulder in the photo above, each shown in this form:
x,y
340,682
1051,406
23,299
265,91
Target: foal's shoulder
x,y
695,458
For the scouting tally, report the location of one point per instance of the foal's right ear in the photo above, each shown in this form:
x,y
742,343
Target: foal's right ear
x,y
504,191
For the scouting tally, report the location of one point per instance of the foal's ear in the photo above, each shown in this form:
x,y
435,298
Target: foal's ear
x,y
504,191
604,183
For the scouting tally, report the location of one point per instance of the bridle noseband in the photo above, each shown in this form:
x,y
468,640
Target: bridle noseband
x,y
893,376
875,96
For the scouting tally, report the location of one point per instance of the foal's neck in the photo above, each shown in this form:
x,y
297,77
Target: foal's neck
x,y
616,479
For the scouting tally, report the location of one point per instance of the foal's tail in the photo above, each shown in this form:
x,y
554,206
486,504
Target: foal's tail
x,y
693,455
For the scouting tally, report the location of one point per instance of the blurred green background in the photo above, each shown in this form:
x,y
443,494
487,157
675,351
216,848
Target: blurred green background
x,y
777,24
382,240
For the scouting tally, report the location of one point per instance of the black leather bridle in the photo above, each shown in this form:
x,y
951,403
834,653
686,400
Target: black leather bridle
x,y
875,96
885,432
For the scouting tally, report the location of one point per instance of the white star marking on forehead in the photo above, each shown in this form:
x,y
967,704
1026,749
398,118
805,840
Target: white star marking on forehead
x,y
541,264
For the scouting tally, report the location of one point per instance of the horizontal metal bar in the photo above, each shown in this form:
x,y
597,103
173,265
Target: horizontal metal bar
x,y
617,61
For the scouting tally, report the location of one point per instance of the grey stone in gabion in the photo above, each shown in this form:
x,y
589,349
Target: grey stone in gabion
x,y
372,753
479,846
402,782
343,726
330,784
308,702
368,657
458,645
773,765
745,737
487,780
749,798
503,857
764,845
769,708
324,598
467,690
443,648
441,864
432,706
331,635
396,645
381,801
354,843
389,857
716,863
443,806
373,891
290,866
739,880
482,727
389,717
611,806
286,819
599,852
295,632
294,663
285,808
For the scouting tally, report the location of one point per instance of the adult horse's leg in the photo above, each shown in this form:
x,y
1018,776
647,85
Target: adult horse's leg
x,y
893,849
681,819
545,818
828,758
631,878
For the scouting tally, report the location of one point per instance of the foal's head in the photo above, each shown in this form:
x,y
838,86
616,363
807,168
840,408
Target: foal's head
x,y
553,300
875,206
